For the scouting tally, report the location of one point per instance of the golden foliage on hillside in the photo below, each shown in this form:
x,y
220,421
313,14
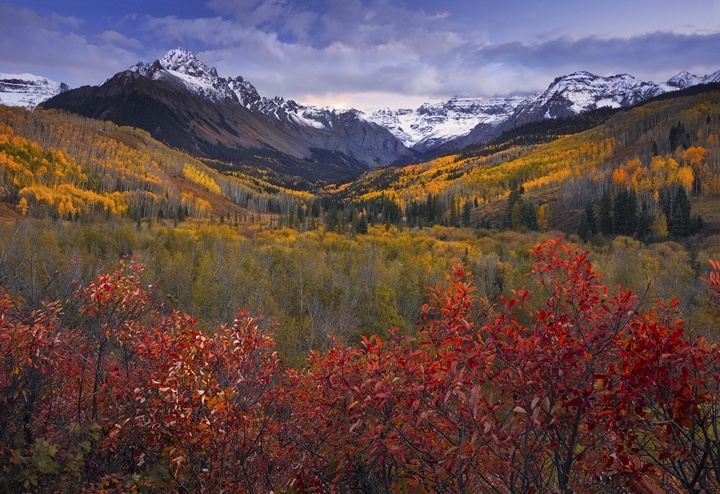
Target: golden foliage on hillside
x,y
65,164
660,144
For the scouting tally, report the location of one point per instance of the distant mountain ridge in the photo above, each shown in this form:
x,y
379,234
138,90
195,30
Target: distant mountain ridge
x,y
214,116
441,127
433,124
28,90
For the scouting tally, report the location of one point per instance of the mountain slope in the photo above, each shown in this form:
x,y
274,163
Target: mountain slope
x,y
28,90
184,103
565,162
192,107
433,124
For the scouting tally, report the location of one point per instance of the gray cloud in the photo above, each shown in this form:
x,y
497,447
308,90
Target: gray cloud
x,y
356,51
320,23
420,61
45,46
289,20
655,56
115,38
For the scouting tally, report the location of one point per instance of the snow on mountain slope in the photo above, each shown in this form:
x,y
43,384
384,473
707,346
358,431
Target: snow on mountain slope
x,y
245,92
205,81
27,90
184,66
453,124
684,79
309,128
714,77
434,123
583,91
466,120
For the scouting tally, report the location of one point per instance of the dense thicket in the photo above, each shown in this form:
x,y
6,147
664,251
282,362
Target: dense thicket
x,y
320,283
579,391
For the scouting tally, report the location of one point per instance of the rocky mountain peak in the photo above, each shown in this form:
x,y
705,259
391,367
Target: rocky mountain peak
x,y
684,79
186,68
245,91
185,62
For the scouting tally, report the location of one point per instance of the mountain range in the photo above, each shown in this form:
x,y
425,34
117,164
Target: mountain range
x,y
185,103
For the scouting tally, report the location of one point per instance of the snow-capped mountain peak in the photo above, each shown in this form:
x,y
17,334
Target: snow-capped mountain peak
x,y
684,79
185,62
452,124
28,90
184,66
583,91
467,120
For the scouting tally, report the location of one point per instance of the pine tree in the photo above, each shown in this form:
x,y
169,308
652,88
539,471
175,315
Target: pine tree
x,y
301,215
680,226
531,218
625,212
618,212
584,231
514,197
454,210
678,137
606,219
590,212
643,224
467,210
631,212
362,225
698,223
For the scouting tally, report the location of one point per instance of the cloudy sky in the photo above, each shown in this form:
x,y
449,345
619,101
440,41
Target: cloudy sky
x,y
367,54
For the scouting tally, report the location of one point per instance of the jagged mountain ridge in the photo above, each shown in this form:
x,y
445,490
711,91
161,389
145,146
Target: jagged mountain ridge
x,y
385,135
28,90
433,124
183,102
441,127
433,127
195,75
327,128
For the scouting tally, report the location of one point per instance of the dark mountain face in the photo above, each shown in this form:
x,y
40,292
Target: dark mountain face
x,y
185,104
177,117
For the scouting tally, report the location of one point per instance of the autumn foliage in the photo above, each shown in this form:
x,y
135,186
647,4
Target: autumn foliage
x,y
107,391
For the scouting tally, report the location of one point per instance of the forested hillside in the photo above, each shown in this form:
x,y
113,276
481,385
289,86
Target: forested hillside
x,y
57,165
652,150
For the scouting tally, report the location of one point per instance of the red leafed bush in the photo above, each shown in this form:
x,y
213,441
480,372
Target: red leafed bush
x,y
573,397
103,392
583,393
